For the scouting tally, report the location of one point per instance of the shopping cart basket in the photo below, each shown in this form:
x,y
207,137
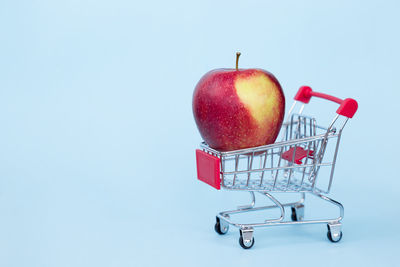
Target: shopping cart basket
x,y
290,165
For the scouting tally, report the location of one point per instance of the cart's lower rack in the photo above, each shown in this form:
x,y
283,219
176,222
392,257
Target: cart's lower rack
x,y
246,230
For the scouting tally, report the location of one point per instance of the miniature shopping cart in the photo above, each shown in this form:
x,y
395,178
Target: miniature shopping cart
x,y
291,165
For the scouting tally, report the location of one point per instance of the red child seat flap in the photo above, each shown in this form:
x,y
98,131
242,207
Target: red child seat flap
x,y
300,154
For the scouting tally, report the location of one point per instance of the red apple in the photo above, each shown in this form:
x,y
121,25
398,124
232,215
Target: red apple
x,y
238,108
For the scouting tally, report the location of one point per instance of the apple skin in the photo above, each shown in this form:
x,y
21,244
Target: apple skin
x,y
238,108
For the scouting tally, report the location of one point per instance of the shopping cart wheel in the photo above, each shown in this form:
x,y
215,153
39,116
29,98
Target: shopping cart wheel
x,y
221,227
297,213
334,232
246,245
246,239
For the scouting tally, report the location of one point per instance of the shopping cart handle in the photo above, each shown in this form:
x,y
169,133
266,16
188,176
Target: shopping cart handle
x,y
348,106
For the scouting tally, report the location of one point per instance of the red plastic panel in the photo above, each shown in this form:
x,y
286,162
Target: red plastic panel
x,y
208,169
299,155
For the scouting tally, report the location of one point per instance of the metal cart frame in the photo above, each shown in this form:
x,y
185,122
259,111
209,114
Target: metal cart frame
x,y
291,165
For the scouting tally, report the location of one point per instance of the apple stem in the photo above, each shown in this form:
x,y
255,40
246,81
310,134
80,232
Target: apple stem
x,y
237,60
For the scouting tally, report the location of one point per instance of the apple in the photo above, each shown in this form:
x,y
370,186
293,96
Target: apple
x,y
238,108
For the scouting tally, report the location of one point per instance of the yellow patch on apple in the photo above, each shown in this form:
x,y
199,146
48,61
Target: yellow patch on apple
x,y
258,93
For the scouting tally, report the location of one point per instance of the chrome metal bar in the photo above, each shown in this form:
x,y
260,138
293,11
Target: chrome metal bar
x,y
291,108
249,166
286,137
334,202
230,212
265,161
222,162
272,190
334,160
272,160
305,163
286,122
298,129
290,170
252,204
315,133
303,198
278,204
344,123
322,149
301,109
236,168
291,127
333,122
239,225
263,148
273,199
278,168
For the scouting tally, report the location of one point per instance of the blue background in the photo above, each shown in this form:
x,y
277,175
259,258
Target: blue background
x,y
97,137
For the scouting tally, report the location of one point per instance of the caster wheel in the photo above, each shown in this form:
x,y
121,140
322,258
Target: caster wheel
x,y
221,229
246,239
334,238
294,216
297,213
334,232
246,245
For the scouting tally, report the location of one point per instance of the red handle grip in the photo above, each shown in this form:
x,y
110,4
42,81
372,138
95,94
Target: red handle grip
x,y
348,106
